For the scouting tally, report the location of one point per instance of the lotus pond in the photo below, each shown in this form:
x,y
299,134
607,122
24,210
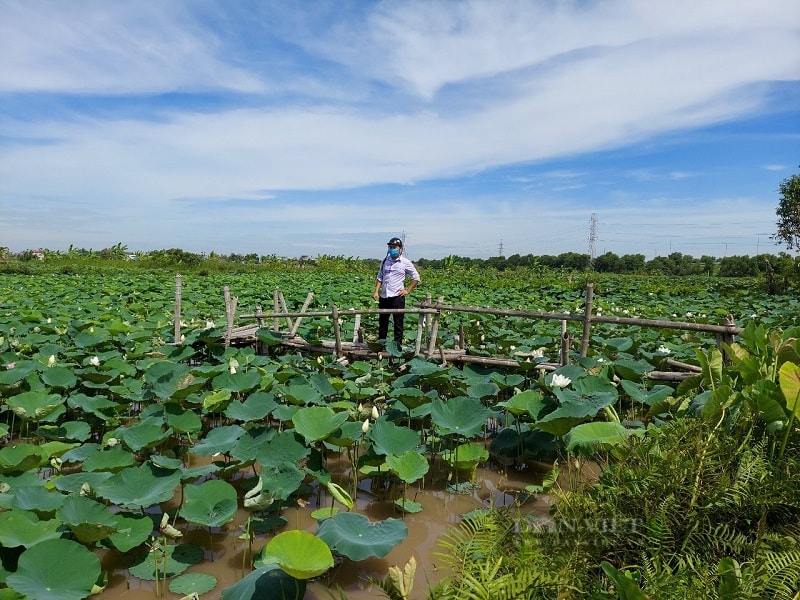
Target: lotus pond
x,y
135,467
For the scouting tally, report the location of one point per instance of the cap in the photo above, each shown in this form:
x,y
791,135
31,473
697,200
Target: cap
x,y
395,241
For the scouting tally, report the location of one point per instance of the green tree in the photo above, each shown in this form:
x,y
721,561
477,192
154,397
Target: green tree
x,y
788,213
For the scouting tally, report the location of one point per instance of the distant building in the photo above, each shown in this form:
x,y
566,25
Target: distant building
x,y
38,254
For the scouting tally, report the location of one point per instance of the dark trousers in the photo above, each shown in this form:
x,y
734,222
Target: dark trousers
x,y
383,318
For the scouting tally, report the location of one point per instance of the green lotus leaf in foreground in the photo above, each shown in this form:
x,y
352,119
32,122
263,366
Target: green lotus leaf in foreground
x,y
462,415
178,559
316,423
20,457
114,459
23,528
266,582
192,583
466,456
55,570
90,521
353,535
588,438
139,487
131,531
209,504
409,466
37,498
299,553
389,438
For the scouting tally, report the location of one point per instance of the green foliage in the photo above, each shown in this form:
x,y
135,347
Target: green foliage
x,y
788,213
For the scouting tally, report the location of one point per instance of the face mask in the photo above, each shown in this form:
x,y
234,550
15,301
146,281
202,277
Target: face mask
x,y
394,252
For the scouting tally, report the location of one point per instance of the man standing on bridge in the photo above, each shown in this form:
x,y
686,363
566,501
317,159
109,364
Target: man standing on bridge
x,y
390,288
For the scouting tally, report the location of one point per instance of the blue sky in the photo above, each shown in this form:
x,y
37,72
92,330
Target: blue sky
x,y
326,127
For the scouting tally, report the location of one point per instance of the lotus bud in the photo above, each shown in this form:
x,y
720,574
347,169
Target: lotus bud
x,y
86,489
375,414
167,529
49,320
365,426
51,361
111,442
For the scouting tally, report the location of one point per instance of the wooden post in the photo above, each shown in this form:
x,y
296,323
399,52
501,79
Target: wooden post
x,y
420,327
285,309
434,329
276,324
356,327
564,344
428,316
293,332
461,343
587,319
230,311
178,296
337,331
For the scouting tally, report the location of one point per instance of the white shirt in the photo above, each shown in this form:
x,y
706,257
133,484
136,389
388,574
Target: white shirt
x,y
393,273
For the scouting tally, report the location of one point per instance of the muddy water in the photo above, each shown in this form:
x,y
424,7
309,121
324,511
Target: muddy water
x,y
224,551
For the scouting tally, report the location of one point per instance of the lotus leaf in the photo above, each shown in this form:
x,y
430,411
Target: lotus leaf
x,y
299,553
90,521
37,498
132,531
269,581
99,406
45,573
789,378
20,457
178,559
575,408
410,466
389,438
587,438
165,378
283,480
113,459
139,487
59,377
145,434
315,423
248,445
216,400
35,405
642,394
220,439
483,390
466,456
181,419
23,528
283,448
301,394
353,535
255,408
239,382
192,583
321,383
461,415
69,430
629,369
410,397
209,504
408,506
529,402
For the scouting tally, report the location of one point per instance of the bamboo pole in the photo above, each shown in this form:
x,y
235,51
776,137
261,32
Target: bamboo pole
x,y
337,332
587,319
178,298
434,329
276,323
420,327
293,332
230,310
282,301
565,344
356,327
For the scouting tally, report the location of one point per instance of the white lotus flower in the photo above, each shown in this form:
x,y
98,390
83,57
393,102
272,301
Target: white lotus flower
x,y
210,324
51,361
49,320
365,426
664,350
232,364
560,381
94,361
538,353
